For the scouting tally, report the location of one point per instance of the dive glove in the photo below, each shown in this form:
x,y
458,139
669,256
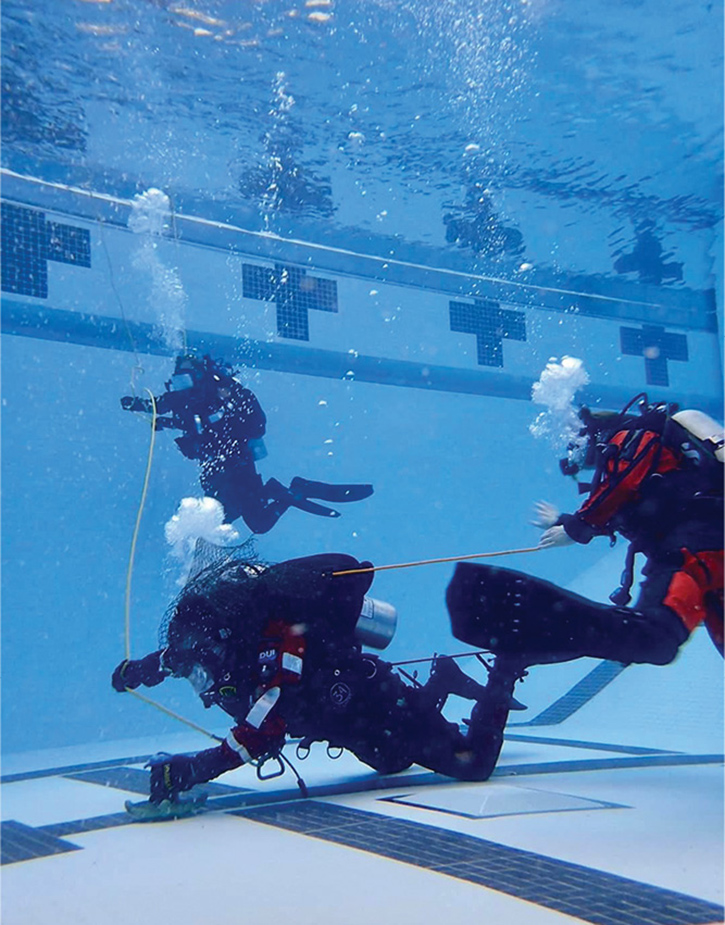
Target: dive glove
x,y
132,673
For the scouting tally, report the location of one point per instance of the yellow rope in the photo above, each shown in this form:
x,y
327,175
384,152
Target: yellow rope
x,y
171,713
129,572
129,575
476,555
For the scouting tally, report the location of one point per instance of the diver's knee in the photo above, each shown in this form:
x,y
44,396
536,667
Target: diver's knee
x,y
666,649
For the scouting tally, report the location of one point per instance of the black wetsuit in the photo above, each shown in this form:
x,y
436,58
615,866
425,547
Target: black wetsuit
x,y
217,431
222,426
293,666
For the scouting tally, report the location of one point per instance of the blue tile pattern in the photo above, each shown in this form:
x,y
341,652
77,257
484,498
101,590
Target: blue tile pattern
x,y
572,889
418,268
24,268
491,324
295,293
657,346
136,780
24,843
579,695
71,769
67,244
29,242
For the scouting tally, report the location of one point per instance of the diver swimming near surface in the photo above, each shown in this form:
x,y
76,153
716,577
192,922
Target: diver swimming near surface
x,y
280,649
223,426
658,482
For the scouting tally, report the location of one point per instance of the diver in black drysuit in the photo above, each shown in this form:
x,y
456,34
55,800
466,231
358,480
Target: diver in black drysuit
x,y
222,426
276,649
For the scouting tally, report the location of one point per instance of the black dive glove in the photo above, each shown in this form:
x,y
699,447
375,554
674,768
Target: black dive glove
x,y
172,774
132,673
132,403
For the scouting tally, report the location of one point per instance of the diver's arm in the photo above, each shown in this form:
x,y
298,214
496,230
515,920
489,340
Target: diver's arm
x,y
172,774
576,529
132,673
161,405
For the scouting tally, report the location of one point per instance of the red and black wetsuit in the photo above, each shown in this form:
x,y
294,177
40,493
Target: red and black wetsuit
x,y
671,510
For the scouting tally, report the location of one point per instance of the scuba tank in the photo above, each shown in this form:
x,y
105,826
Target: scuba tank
x,y
376,624
707,434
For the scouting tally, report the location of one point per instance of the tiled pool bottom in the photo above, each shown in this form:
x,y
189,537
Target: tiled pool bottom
x,y
567,830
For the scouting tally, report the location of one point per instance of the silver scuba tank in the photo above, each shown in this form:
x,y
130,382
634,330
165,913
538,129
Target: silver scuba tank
x,y
702,426
376,624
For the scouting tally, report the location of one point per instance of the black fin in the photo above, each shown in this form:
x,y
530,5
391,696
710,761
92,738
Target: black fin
x,y
327,492
311,507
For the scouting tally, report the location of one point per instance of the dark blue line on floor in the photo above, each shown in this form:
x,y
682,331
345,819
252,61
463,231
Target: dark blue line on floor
x,y
137,780
68,770
582,892
247,799
582,692
77,769
591,746
24,843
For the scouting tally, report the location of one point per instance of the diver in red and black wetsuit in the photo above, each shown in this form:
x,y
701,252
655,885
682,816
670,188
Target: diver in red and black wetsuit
x,y
658,482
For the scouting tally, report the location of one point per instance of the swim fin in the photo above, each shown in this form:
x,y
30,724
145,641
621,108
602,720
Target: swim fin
x,y
311,507
328,492
146,811
293,497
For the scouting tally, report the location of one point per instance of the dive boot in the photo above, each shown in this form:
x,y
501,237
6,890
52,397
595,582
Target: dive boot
x,y
509,664
493,707
304,488
447,678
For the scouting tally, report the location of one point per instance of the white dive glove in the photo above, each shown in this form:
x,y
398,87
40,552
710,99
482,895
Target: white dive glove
x,y
555,536
545,514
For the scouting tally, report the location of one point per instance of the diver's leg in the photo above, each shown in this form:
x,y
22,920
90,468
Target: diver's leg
x,y
512,613
390,725
237,485
652,631
447,678
365,707
443,748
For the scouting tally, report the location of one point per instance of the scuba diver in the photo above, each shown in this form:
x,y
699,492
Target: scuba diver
x,y
222,425
280,649
658,482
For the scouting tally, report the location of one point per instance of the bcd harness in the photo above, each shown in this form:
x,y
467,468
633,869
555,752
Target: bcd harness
x,y
655,442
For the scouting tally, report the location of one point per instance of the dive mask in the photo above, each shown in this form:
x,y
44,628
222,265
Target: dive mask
x,y
200,679
180,382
